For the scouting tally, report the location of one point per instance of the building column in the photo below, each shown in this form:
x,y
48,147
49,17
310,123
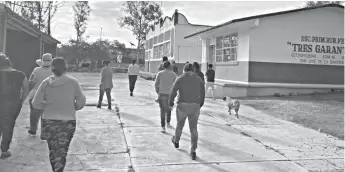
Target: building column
x,y
3,30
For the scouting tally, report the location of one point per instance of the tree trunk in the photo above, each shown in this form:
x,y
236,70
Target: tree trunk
x,y
48,21
138,51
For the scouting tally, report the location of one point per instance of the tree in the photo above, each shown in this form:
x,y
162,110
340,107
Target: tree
x,y
139,16
52,8
81,14
318,3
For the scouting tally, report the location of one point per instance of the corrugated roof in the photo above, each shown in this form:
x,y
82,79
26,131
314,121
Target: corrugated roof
x,y
265,15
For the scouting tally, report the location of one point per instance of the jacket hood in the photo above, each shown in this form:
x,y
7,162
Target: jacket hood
x,y
57,81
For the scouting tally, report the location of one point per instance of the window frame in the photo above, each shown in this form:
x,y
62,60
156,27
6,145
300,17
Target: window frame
x,y
226,43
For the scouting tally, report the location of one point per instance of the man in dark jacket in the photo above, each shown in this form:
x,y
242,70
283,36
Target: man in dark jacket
x,y
14,88
191,98
210,74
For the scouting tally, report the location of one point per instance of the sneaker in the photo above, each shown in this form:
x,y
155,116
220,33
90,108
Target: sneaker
x,y
109,108
5,155
176,144
163,129
193,155
98,106
31,134
131,94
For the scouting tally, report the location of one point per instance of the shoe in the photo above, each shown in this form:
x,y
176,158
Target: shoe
x,y
163,129
31,134
109,108
5,155
176,144
193,155
98,106
131,94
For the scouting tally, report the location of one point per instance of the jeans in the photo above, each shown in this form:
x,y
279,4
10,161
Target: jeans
x,y
9,113
165,110
101,94
192,111
35,115
132,80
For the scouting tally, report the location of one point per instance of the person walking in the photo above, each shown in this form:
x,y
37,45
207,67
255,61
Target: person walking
x,y
133,72
59,96
197,71
191,98
160,67
174,67
14,88
38,75
106,84
164,81
210,75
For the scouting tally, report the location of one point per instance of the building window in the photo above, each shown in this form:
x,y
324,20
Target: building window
x,y
226,48
172,42
150,43
161,37
155,41
155,52
167,35
161,51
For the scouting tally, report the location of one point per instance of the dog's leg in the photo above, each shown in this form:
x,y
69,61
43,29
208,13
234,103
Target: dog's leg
x,y
236,110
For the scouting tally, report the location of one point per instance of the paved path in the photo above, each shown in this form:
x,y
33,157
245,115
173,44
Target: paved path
x,y
105,142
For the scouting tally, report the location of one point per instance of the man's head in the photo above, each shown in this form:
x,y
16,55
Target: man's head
x,y
166,65
188,68
4,61
59,66
165,58
134,61
47,60
196,66
210,66
105,62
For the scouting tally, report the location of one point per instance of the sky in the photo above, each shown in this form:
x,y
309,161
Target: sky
x,y
104,15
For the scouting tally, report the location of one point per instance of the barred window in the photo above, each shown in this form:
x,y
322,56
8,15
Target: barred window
x,y
226,48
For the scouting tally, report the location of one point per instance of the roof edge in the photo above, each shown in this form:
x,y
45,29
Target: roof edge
x,y
265,15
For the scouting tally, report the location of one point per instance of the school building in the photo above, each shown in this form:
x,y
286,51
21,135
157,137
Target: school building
x,y
290,52
22,42
166,38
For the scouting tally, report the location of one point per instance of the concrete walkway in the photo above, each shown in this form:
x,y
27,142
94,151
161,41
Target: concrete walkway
x,y
105,141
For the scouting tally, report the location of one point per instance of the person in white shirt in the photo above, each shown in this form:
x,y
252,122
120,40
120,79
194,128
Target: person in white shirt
x,y
133,72
38,75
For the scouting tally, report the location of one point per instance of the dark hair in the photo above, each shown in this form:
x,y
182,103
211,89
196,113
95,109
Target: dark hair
x,y
166,65
165,58
188,67
134,61
196,67
59,66
105,62
210,65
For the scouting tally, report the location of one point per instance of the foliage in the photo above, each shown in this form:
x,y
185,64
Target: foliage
x,y
81,15
318,3
139,16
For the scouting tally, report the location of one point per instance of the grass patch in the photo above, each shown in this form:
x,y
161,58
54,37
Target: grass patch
x,y
322,112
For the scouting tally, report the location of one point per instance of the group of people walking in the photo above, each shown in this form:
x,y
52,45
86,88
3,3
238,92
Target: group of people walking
x,y
191,88
54,98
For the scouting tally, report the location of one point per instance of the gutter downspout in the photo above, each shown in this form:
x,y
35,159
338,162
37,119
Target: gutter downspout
x,y
5,34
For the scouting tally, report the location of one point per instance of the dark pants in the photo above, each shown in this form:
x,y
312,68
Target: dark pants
x,y
59,134
101,93
132,80
9,113
165,110
35,115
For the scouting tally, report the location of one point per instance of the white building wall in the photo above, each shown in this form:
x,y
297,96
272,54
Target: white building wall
x,y
270,41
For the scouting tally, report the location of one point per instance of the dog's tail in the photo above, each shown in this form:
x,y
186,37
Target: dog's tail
x,y
237,104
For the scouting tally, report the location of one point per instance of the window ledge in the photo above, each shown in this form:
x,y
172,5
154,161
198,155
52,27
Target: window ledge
x,y
226,63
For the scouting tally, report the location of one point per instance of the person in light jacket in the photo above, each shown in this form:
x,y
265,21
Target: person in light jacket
x,y
163,84
59,96
106,84
133,72
36,78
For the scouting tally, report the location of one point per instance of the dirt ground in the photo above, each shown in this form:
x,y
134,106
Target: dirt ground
x,y
322,112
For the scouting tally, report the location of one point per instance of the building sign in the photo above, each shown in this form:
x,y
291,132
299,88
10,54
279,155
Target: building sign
x,y
318,50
